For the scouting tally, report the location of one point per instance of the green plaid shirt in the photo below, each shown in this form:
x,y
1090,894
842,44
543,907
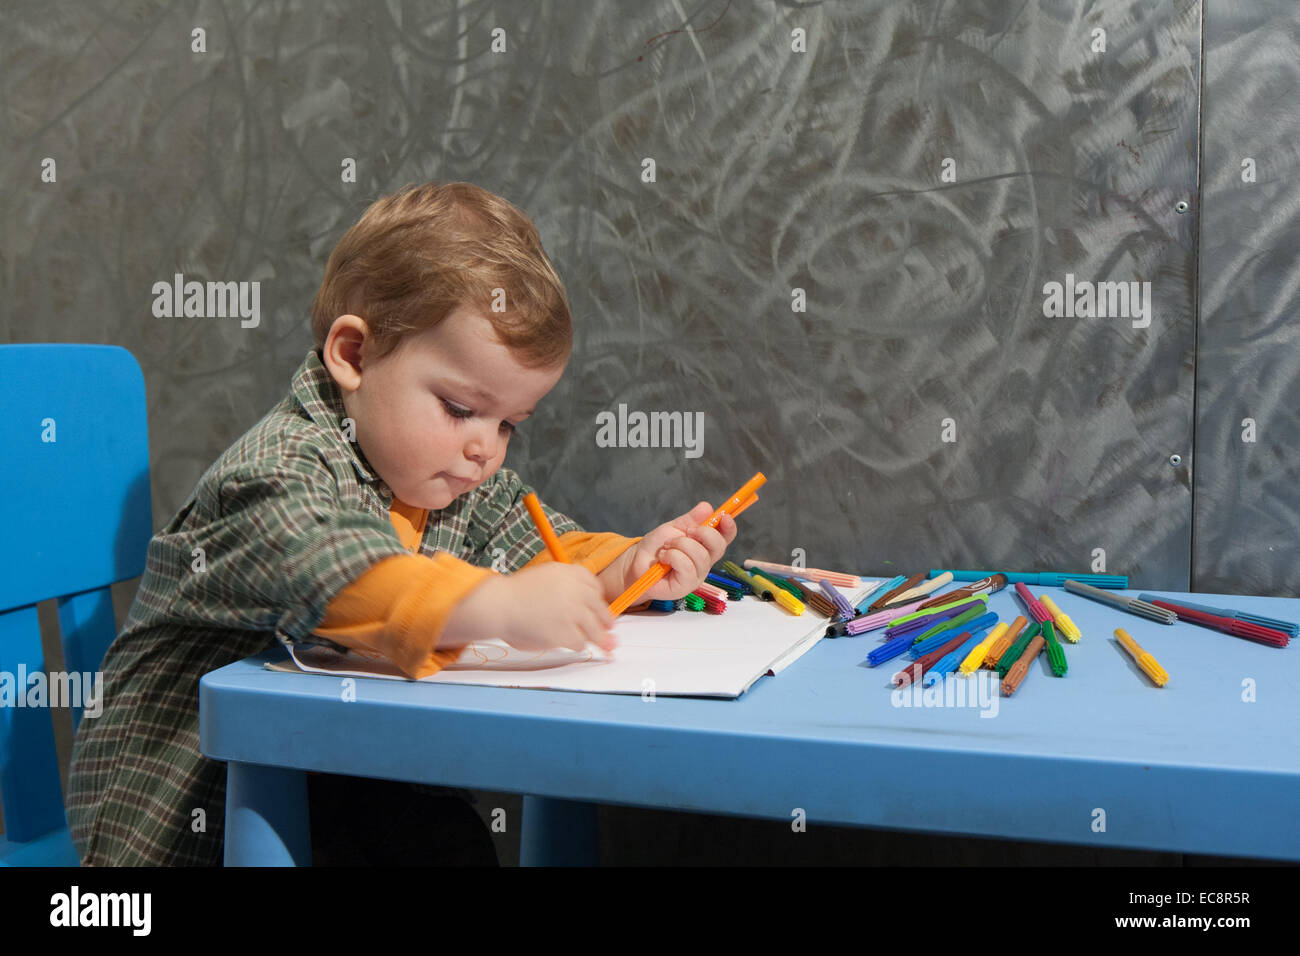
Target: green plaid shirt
x,y
279,524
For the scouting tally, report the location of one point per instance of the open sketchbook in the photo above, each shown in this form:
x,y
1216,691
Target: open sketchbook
x,y
675,654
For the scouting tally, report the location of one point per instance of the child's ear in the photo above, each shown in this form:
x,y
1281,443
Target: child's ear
x,y
345,350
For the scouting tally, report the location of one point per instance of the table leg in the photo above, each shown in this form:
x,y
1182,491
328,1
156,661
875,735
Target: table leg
x,y
558,833
266,816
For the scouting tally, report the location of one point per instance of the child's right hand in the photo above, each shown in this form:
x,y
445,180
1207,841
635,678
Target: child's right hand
x,y
550,605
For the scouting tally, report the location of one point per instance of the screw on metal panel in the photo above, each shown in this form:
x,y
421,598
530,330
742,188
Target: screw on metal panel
x,y
1181,207
1175,460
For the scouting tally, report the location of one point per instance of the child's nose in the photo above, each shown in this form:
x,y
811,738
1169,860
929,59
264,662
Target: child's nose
x,y
481,446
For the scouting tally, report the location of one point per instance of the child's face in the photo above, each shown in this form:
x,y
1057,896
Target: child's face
x,y
433,417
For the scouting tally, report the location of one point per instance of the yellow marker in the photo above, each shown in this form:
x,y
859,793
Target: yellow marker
x,y
1063,622
1003,643
781,595
1143,659
978,652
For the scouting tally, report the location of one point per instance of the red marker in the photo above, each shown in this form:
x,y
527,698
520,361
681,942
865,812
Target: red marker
x,y
1229,625
914,671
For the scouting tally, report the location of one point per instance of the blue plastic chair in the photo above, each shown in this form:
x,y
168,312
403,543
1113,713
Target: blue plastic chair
x,y
75,517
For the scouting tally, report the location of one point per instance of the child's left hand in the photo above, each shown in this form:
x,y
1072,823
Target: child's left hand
x,y
687,546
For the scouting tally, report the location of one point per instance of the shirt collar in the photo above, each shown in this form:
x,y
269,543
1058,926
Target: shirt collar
x,y
316,392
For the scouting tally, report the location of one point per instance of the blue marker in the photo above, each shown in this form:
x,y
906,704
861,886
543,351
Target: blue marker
x,y
936,641
951,661
882,589
887,652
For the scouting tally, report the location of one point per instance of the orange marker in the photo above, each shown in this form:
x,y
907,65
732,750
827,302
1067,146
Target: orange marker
x,y
544,528
1003,643
548,535
734,505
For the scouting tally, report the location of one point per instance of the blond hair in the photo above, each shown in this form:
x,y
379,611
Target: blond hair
x,y
420,253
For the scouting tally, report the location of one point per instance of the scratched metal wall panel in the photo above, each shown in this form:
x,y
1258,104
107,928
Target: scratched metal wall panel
x,y
775,170
925,298
1248,351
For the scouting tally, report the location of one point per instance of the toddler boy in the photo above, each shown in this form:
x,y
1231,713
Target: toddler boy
x,y
365,510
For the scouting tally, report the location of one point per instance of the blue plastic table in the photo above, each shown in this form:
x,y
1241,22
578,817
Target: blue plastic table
x,y
1208,764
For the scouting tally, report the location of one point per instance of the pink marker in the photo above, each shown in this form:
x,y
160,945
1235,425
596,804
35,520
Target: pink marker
x,y
1032,604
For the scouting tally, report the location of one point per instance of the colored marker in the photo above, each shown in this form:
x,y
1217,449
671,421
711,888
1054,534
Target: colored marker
x,y
1062,620
1041,579
1055,653
712,591
821,605
926,640
891,596
1020,669
916,670
656,572
1032,604
1015,650
731,585
544,528
921,590
864,622
842,605
811,574
989,585
980,623
921,625
780,595
999,647
864,606
1143,660
889,651
869,622
1290,628
948,663
976,657
938,613
781,582
764,591
712,604
1132,605
1229,625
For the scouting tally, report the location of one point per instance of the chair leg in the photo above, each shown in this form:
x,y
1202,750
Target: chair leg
x,y
266,816
558,833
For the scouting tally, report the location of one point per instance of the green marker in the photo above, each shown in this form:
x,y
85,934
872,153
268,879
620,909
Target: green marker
x,y
1015,650
1055,653
952,624
694,602
785,583
939,607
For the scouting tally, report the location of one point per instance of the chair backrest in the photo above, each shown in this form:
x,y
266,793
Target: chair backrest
x,y
75,517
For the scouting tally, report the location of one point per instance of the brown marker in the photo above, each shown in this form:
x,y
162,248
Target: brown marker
x,y
1003,643
1021,667
819,603
987,586
907,585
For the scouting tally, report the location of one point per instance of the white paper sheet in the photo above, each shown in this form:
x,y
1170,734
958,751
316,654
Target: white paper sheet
x,y
674,654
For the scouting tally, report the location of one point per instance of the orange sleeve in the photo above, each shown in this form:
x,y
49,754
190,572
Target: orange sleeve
x,y
594,550
399,607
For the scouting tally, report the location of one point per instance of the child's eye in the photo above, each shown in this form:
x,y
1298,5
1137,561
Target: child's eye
x,y
455,411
